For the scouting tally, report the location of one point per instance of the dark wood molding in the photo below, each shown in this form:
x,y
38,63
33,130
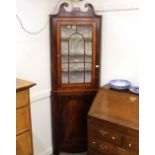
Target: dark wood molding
x,y
76,11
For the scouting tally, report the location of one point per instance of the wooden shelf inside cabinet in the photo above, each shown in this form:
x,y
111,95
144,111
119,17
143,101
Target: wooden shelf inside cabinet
x,y
86,39
75,51
76,67
76,58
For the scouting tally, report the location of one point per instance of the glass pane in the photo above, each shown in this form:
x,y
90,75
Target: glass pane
x,y
76,77
88,69
64,72
64,67
76,45
76,72
67,30
76,53
88,58
87,77
88,66
85,30
76,67
64,58
64,48
88,48
64,76
76,58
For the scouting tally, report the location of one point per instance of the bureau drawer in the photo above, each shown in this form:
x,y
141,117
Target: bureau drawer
x,y
107,148
130,143
24,144
22,119
22,98
105,133
92,152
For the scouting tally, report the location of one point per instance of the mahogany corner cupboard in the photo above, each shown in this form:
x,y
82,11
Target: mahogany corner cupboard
x,y
75,38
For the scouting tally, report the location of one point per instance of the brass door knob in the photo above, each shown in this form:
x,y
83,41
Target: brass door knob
x,y
113,137
93,142
97,66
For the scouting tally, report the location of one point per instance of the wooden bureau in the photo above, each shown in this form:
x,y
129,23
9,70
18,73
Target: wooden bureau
x,y
23,118
113,123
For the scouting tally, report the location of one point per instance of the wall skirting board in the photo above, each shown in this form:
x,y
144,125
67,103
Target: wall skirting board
x,y
40,95
41,119
47,152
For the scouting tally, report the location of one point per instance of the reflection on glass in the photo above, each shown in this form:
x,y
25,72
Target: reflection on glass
x,y
64,76
76,77
76,67
87,77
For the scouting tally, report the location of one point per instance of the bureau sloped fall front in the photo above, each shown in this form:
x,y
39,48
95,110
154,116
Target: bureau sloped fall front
x,y
113,123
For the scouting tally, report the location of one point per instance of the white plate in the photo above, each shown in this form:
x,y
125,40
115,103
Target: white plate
x,y
134,89
119,84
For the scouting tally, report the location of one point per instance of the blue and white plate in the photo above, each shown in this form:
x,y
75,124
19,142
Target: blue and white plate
x,y
119,84
134,89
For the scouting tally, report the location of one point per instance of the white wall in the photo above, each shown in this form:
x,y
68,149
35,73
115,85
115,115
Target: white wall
x,y
119,54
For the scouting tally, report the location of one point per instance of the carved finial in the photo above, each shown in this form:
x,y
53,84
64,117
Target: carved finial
x,y
90,8
76,11
62,6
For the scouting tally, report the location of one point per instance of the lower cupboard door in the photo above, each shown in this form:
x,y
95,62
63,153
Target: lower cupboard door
x,y
24,144
70,123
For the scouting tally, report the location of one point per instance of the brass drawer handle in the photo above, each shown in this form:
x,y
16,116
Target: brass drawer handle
x,y
113,137
103,132
129,145
132,98
121,149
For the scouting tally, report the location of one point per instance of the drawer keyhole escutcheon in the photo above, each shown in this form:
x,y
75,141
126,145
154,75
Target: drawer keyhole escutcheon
x,y
130,145
132,98
103,132
113,137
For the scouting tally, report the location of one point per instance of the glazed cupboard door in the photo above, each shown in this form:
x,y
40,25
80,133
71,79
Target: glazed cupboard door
x,y
76,57
75,60
77,53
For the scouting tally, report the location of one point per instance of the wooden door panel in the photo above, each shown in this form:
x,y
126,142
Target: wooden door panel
x,y
71,118
74,113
